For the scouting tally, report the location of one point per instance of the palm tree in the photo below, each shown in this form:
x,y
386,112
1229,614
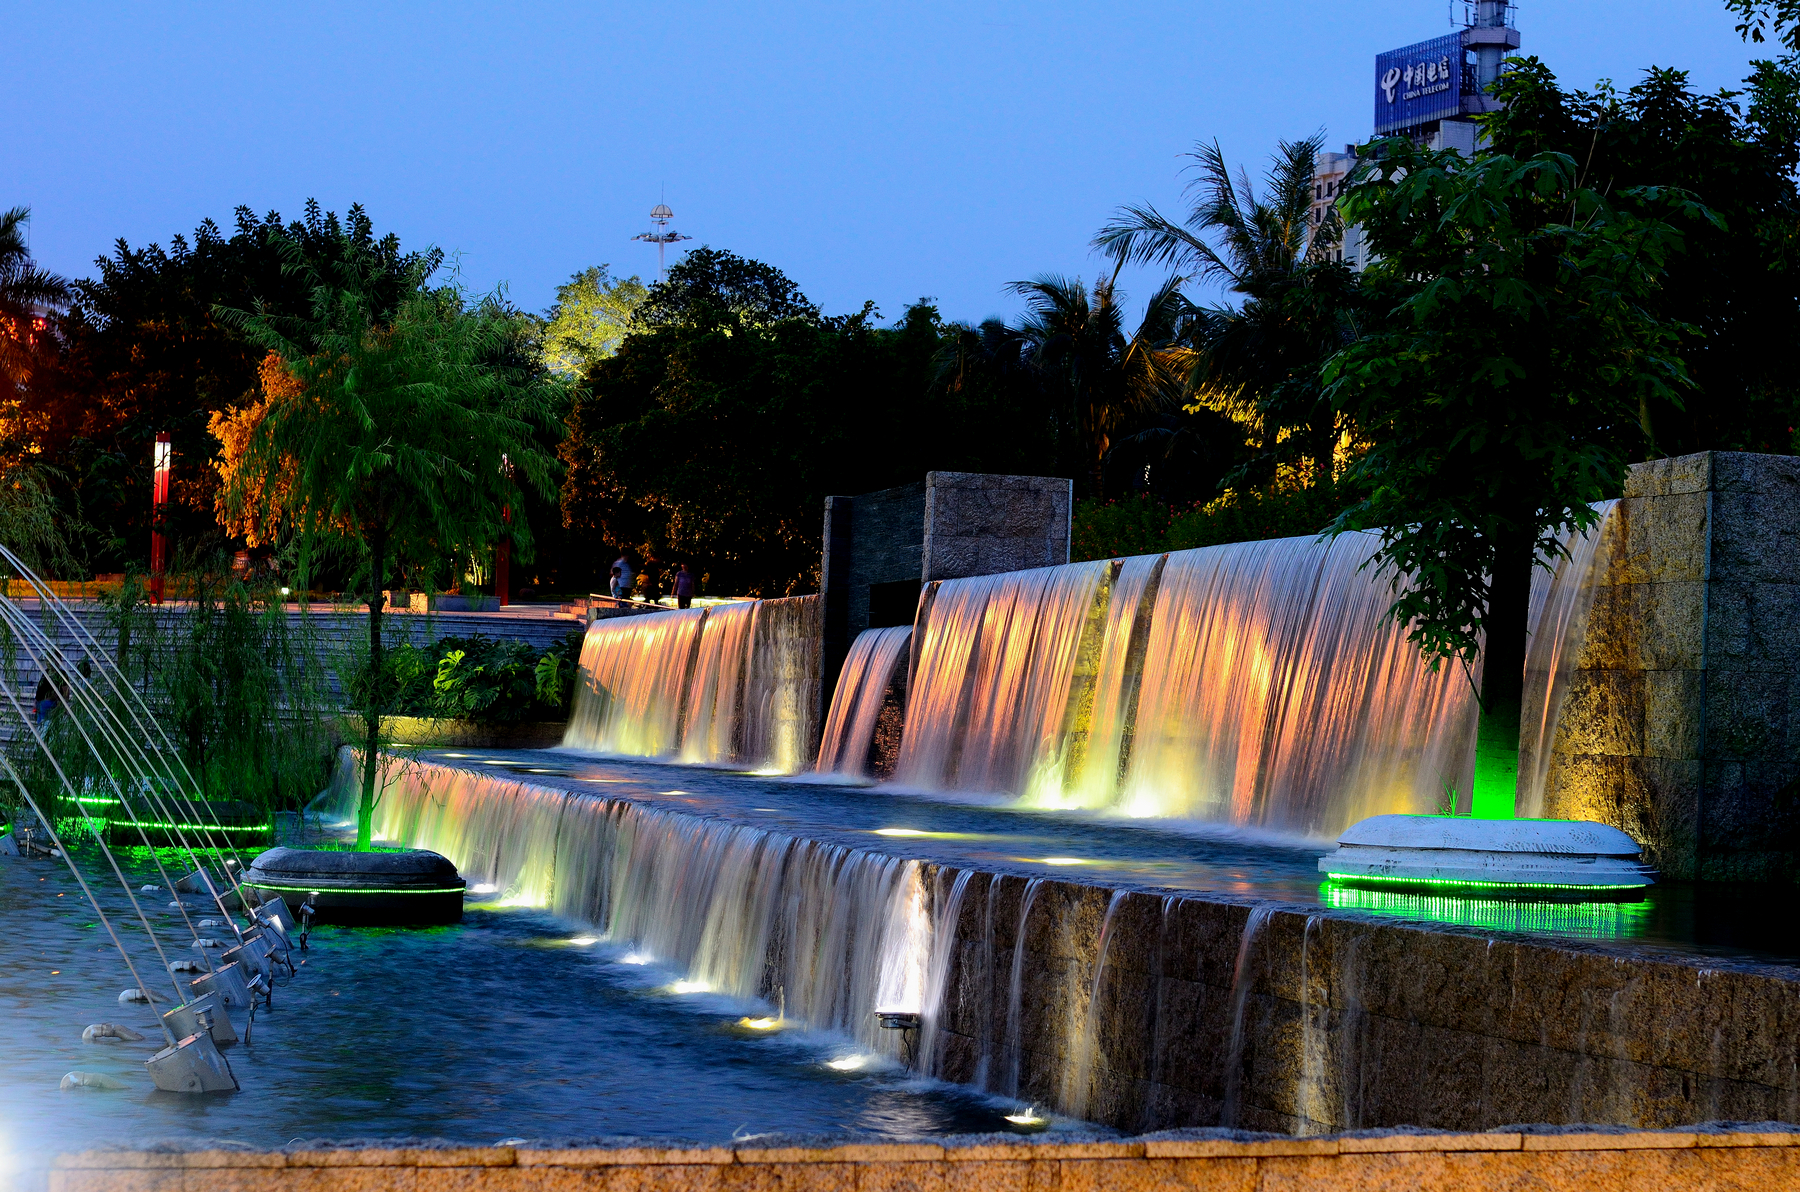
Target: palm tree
x,y
1257,361
28,297
1073,338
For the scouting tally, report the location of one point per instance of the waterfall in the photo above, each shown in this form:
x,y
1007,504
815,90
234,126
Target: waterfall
x,y
731,685
868,671
986,704
837,932
1259,684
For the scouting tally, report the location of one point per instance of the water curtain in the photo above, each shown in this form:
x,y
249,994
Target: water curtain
x,y
834,932
735,684
1260,684
869,670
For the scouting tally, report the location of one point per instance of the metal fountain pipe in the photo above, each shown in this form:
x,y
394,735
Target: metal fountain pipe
x,y
13,698
14,617
128,698
91,649
82,882
25,632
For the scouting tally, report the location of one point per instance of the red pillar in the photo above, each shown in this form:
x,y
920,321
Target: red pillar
x,y
159,502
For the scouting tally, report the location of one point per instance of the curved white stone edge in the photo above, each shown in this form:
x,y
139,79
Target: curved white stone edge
x,y
1485,868
1575,837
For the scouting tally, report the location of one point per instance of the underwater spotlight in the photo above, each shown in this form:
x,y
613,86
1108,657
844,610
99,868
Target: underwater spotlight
x,y
582,941
847,1063
690,987
634,958
1027,1117
759,1024
484,888
1566,858
1064,861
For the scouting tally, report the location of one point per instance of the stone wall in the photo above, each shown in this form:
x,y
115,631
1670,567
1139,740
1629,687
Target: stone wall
x,y
1682,721
885,544
1147,1011
1727,1159
983,525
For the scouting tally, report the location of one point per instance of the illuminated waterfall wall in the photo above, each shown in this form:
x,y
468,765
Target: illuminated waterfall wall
x,y
1259,684
868,672
831,932
735,684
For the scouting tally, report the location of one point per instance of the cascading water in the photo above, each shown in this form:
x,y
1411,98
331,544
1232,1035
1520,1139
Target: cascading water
x,y
868,670
834,932
732,685
1259,684
989,693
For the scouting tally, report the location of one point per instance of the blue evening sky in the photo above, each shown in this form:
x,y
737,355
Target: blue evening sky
x,y
877,152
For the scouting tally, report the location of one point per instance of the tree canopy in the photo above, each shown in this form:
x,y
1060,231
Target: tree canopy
x,y
1512,368
405,436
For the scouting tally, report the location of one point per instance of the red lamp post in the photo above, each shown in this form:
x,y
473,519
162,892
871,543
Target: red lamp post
x,y
503,552
160,458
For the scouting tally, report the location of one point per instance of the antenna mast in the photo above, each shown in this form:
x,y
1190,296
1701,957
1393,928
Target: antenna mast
x,y
660,215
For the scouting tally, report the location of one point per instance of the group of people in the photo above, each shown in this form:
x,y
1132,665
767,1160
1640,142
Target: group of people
x,y
648,582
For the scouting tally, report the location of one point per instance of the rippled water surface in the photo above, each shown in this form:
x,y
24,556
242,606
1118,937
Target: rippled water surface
x,y
497,1028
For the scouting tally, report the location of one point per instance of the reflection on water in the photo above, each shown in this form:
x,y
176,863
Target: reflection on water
x,y
509,1025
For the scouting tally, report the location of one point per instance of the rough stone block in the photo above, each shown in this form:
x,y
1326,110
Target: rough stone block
x,y
1661,539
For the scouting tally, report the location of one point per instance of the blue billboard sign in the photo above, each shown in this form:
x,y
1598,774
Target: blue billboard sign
x,y
1417,84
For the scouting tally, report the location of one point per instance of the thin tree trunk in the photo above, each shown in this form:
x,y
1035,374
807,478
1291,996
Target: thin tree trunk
x,y
1496,787
365,808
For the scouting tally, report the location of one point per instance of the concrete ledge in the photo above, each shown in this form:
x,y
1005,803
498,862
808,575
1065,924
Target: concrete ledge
x,y
1760,1156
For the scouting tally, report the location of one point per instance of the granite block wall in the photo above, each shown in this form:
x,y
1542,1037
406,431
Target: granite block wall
x,y
1148,1011
953,524
1682,721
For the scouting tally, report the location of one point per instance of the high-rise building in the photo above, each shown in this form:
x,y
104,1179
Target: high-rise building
x,y
1428,92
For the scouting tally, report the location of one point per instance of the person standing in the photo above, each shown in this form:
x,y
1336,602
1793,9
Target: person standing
x,y
622,565
684,588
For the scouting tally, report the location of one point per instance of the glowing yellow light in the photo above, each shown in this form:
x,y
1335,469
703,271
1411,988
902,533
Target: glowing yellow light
x,y
848,1063
689,987
1025,1117
760,1024
484,888
900,832
457,755
635,958
582,941
1064,861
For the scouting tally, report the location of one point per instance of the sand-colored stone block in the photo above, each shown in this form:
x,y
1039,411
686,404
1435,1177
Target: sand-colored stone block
x,y
1429,1143
598,1157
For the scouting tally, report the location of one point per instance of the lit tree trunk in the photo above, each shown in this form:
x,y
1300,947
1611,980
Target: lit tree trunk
x,y
1496,787
365,808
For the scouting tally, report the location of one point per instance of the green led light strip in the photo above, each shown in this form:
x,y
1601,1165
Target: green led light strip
x,y
340,890
191,827
1435,881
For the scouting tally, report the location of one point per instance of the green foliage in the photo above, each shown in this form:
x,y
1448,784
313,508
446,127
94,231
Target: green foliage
x,y
1736,290
592,316
714,288
402,444
1097,381
485,679
232,677
148,352
1142,525
1507,387
716,432
1758,19
1256,359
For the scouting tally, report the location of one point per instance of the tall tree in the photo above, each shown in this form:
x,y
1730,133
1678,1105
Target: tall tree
x,y
592,316
30,298
407,432
1099,381
1255,358
1737,289
1502,392
148,353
